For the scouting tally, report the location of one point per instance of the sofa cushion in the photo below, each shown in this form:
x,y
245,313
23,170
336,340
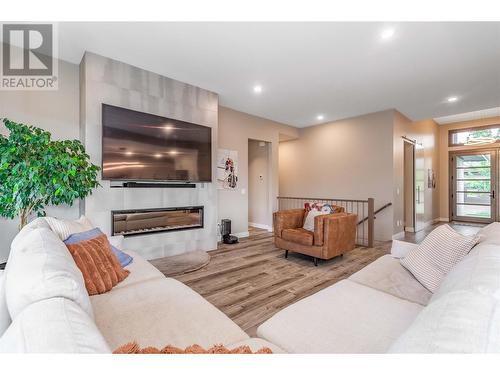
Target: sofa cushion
x,y
387,275
299,235
458,322
140,270
344,318
159,312
40,267
436,255
64,228
54,325
4,312
478,272
490,234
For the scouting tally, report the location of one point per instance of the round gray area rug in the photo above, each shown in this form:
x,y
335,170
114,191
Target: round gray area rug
x,y
182,263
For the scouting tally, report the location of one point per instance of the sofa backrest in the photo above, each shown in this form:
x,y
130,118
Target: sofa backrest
x,y
4,312
40,267
463,316
46,298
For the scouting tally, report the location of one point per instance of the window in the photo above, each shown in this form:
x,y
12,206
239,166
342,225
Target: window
x,y
474,136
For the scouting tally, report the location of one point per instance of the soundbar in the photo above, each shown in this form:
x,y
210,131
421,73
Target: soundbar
x,y
134,184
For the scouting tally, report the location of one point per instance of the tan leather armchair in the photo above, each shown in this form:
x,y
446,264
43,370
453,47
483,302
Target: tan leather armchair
x,y
333,235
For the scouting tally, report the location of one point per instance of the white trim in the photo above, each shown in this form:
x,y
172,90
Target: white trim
x,y
241,234
261,226
444,219
398,236
410,229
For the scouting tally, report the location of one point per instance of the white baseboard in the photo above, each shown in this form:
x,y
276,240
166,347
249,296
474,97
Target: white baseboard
x,y
443,219
398,236
261,226
410,229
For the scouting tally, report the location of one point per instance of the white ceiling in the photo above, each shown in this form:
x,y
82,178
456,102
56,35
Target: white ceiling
x,y
335,69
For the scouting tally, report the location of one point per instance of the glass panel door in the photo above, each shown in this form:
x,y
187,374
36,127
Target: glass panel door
x,y
473,186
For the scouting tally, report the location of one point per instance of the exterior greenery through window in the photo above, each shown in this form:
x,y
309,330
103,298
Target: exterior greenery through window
x,y
461,136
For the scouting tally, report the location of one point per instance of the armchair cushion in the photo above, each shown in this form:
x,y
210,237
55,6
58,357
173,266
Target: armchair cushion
x,y
288,219
299,235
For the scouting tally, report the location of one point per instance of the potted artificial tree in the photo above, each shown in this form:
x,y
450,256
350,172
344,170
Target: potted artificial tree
x,y
36,171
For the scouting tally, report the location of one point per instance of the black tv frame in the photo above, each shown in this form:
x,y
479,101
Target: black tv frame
x,y
173,182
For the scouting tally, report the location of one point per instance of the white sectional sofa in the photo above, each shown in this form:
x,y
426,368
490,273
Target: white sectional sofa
x,y
380,309
383,308
46,300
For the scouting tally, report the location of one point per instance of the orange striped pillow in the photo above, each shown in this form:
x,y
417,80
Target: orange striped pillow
x,y
99,266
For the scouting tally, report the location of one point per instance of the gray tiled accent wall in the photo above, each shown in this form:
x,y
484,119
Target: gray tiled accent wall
x,y
103,80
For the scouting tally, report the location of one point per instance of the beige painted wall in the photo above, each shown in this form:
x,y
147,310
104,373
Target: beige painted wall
x,y
235,129
425,133
350,159
258,183
444,149
56,111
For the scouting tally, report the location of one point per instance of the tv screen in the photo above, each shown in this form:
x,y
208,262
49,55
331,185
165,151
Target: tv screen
x,y
139,146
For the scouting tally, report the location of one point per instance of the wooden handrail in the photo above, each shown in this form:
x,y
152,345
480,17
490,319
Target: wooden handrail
x,y
376,212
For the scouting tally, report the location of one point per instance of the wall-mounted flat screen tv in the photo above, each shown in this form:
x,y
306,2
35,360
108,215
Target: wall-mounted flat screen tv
x,y
137,146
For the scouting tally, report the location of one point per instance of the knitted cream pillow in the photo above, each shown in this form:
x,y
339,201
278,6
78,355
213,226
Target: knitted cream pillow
x,y
436,255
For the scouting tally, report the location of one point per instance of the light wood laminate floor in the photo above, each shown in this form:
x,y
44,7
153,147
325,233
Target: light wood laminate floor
x,y
252,280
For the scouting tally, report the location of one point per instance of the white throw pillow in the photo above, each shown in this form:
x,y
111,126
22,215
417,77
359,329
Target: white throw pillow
x,y
40,267
65,228
436,255
55,325
4,312
309,221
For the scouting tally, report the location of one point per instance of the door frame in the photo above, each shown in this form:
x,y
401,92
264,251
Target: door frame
x,y
494,187
411,228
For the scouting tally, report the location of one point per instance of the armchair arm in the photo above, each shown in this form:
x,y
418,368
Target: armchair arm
x,y
288,219
339,233
319,226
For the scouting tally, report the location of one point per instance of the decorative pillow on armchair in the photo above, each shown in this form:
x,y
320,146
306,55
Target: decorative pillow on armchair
x,y
442,249
309,221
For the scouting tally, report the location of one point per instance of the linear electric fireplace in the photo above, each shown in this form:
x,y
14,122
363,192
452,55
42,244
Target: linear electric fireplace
x,y
136,222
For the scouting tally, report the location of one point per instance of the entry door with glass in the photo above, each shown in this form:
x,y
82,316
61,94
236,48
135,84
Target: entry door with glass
x,y
473,186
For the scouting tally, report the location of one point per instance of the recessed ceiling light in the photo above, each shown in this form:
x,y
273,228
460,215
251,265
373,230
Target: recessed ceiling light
x,y
157,155
129,153
173,152
257,89
387,34
452,99
320,117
